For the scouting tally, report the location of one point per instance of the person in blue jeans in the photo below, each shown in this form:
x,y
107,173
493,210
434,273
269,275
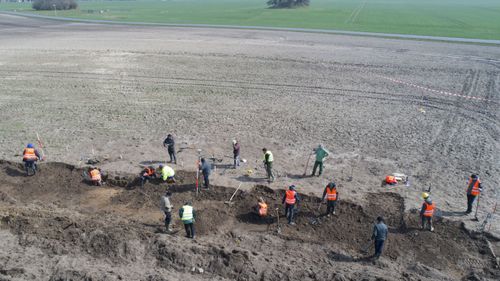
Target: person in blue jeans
x,y
291,200
206,169
379,236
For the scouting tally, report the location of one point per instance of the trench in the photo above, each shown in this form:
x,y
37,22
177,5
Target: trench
x,y
120,223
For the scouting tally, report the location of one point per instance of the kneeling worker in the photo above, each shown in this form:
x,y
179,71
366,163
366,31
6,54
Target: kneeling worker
x,y
147,174
95,176
261,208
166,173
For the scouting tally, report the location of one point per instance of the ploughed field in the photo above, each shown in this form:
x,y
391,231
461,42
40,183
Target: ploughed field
x,y
112,93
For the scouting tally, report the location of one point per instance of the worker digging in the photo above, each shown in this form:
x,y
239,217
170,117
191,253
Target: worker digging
x,y
30,157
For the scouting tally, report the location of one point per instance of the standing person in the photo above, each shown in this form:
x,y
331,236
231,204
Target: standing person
x,y
291,199
427,211
236,153
268,163
473,190
331,195
30,157
188,216
379,235
205,170
169,143
321,154
147,174
167,207
166,173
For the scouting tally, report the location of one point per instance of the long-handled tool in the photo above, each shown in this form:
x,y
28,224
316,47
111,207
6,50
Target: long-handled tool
x,y
278,229
477,207
319,205
366,247
40,144
307,164
231,199
198,172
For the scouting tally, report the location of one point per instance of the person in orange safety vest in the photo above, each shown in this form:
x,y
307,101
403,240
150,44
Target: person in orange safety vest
x,y
30,157
331,195
95,176
474,188
391,180
291,200
147,174
427,211
261,208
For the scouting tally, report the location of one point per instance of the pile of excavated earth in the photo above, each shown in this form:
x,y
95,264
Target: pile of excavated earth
x,y
55,226
111,93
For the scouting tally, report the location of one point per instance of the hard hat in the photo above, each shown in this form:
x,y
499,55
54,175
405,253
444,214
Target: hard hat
x,y
234,141
425,195
161,166
30,145
292,187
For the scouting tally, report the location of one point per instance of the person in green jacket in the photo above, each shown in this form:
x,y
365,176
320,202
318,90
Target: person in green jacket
x,y
188,215
321,154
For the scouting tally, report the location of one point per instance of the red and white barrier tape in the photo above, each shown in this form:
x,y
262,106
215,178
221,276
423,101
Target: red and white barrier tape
x,y
433,90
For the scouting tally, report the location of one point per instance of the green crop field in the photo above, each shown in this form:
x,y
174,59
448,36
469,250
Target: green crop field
x,y
452,18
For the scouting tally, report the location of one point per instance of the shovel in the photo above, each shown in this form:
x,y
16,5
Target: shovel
x,y
278,230
307,164
365,248
477,207
349,179
231,199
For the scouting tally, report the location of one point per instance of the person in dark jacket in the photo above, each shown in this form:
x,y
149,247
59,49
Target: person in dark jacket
x,y
291,200
474,189
236,153
169,143
30,157
427,211
147,174
205,170
379,235
188,216
331,195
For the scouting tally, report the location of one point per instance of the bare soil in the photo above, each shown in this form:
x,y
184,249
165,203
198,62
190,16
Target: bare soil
x,y
69,230
113,92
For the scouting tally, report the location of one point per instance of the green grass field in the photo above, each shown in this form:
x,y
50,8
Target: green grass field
x,y
452,18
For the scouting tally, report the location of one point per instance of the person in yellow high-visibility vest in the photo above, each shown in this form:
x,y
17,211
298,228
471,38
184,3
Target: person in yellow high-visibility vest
x,y
166,173
188,215
268,163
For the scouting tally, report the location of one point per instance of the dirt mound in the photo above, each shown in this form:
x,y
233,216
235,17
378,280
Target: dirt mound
x,y
79,232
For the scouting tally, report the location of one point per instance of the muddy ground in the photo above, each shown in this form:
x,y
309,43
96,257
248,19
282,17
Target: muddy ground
x,y
54,226
112,92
